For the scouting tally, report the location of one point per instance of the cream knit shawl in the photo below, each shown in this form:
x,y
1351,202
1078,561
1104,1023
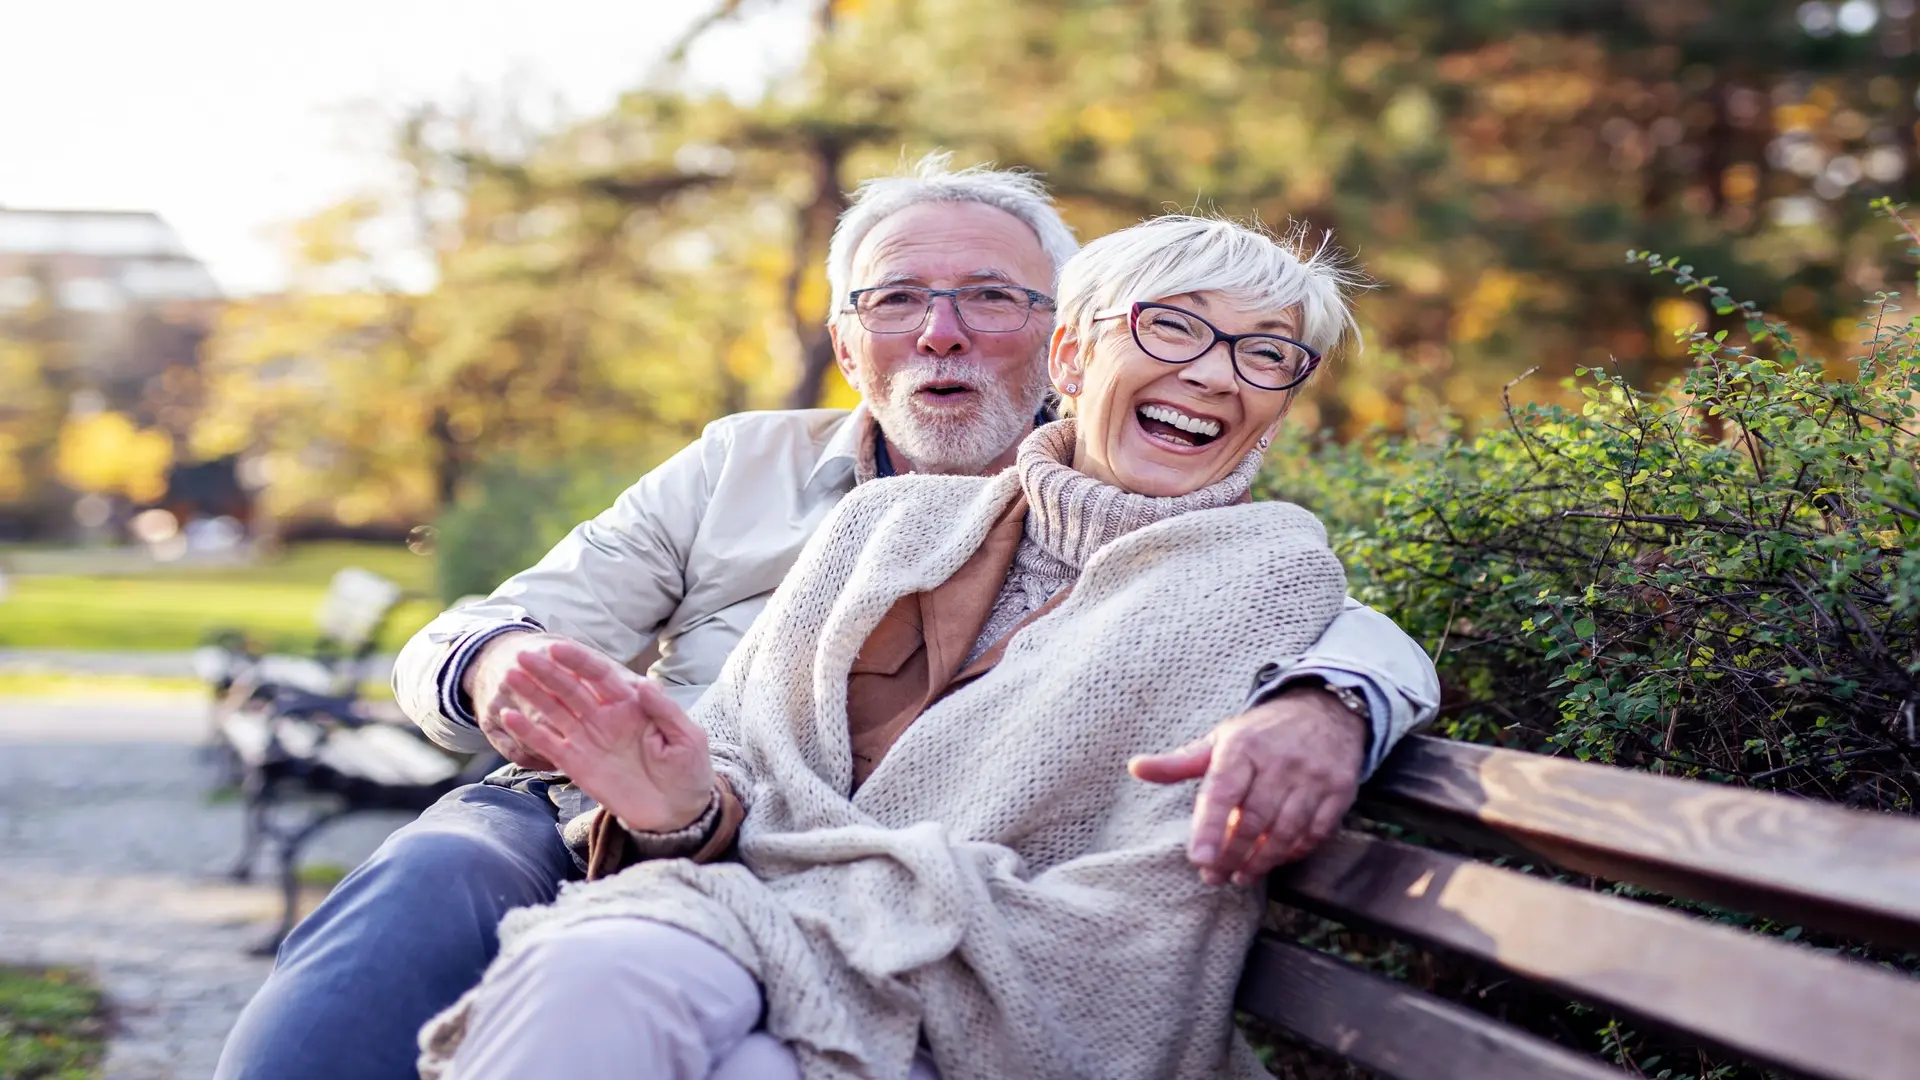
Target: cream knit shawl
x,y
1000,882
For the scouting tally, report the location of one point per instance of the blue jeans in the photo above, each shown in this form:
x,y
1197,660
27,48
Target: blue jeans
x,y
399,939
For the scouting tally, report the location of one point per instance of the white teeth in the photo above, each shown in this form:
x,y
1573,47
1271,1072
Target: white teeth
x,y
1165,415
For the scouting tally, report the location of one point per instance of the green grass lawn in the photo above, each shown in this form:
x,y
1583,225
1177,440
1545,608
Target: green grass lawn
x,y
176,608
52,1025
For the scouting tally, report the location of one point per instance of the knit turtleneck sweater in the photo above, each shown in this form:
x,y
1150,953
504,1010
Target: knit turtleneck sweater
x,y
1070,515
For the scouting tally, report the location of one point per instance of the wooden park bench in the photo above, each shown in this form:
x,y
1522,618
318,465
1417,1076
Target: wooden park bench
x,y
308,751
1774,1003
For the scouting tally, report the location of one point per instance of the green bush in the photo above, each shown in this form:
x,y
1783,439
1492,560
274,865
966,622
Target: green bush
x,y
1717,577
510,515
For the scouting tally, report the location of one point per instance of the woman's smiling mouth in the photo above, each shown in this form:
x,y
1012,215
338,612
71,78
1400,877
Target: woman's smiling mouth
x,y
1176,428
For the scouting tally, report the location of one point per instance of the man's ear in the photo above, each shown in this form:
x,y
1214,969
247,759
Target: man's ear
x,y
842,358
1064,362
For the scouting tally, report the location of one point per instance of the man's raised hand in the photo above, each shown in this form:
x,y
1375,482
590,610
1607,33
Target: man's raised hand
x,y
613,733
1276,781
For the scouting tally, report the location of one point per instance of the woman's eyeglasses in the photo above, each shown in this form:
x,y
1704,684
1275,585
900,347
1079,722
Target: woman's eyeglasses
x,y
1174,335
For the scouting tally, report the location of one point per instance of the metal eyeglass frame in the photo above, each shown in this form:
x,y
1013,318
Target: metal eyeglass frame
x,y
1035,298
1133,326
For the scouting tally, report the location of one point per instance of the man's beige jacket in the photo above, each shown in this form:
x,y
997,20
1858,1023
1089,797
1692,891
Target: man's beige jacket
x,y
687,557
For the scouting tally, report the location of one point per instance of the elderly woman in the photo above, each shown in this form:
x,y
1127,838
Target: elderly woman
x,y
942,865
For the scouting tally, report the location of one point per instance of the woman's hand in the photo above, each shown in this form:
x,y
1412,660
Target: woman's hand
x,y
614,734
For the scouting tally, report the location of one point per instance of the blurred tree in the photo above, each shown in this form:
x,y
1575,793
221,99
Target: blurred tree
x,y
106,453
28,420
37,379
606,286
604,314
1489,161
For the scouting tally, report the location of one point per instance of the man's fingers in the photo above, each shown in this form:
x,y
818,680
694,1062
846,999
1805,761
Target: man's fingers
x,y
1284,838
1223,790
1257,812
509,747
540,738
1187,763
1326,821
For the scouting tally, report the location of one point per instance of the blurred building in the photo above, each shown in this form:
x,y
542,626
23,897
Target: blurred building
x,y
128,299
115,309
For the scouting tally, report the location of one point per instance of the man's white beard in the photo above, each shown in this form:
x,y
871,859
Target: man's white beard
x,y
946,442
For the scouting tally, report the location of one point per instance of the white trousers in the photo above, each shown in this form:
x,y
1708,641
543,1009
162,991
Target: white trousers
x,y
625,999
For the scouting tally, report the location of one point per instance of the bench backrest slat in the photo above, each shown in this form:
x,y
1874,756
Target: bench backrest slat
x,y
1851,873
356,603
1770,1001
1391,1028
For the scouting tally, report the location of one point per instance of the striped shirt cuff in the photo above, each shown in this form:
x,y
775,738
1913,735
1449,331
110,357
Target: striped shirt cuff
x,y
453,670
1274,678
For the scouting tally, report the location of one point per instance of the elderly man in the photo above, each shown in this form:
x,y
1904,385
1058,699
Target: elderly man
x,y
950,360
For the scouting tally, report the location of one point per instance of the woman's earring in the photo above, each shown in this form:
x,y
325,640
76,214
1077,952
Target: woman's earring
x,y
1264,442
1071,389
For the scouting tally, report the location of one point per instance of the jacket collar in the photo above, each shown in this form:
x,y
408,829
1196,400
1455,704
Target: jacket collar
x,y
850,455
840,463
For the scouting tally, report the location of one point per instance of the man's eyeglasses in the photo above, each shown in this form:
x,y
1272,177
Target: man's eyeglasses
x,y
1174,335
985,309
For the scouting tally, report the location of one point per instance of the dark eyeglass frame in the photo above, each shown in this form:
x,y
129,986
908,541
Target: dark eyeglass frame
x,y
1219,336
1035,298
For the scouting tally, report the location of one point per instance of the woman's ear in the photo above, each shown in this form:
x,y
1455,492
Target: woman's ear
x,y
1268,436
1064,366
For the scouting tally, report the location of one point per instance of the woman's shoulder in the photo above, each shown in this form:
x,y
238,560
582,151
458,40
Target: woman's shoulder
x,y
1283,521
1268,558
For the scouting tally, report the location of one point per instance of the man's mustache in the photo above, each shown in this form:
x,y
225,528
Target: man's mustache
x,y
921,373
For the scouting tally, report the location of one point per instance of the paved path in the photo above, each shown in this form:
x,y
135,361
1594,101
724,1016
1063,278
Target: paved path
x,y
144,664
111,857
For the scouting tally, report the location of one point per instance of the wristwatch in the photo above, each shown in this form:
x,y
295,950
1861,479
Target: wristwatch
x,y
1354,700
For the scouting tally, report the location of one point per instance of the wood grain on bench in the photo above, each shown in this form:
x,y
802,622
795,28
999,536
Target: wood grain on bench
x,y
1387,1026
1765,999
1847,872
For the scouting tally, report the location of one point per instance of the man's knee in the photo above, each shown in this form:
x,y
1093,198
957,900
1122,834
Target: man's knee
x,y
447,861
500,845
440,884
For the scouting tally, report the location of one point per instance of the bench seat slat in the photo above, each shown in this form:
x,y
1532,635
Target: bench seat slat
x,y
1847,872
1779,1004
1394,1029
386,755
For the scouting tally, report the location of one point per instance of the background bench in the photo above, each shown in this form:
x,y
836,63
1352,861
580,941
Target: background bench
x,y
306,750
1769,1001
309,760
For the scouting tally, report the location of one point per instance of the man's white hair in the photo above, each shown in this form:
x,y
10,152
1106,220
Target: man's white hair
x,y
932,180
1183,253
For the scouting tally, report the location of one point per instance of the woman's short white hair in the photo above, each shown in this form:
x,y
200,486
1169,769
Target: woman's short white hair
x,y
932,180
1247,265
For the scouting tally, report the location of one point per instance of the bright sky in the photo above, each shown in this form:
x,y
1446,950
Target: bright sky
x,y
232,118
